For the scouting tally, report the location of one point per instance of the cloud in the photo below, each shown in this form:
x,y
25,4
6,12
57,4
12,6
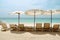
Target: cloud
x,y
52,4
23,5
40,3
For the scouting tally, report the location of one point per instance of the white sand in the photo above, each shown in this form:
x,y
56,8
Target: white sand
x,y
29,35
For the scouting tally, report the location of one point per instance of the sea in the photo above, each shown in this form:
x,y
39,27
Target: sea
x,y
30,20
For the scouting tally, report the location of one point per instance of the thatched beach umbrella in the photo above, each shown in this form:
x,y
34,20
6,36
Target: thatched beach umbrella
x,y
57,11
18,13
52,12
34,12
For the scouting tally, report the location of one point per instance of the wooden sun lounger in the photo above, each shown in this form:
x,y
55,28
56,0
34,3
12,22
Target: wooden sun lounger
x,y
46,27
21,27
29,28
4,27
55,27
13,27
38,26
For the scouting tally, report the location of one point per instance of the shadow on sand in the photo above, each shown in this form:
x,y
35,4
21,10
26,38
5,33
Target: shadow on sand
x,y
37,33
17,32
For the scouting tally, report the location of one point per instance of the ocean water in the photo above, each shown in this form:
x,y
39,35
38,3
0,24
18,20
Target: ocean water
x,y
30,20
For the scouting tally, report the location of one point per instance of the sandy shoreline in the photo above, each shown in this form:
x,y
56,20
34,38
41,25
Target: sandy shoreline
x,y
30,24
29,35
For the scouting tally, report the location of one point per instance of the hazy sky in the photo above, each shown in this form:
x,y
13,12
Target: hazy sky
x,y
7,6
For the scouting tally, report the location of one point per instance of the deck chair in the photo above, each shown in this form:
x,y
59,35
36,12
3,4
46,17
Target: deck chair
x,y
4,27
28,28
13,27
21,27
55,27
38,26
46,27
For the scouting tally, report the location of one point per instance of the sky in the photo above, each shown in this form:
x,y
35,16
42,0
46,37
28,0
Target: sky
x,y
7,6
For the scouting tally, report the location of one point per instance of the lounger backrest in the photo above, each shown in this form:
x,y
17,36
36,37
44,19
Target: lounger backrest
x,y
4,25
56,26
46,25
38,25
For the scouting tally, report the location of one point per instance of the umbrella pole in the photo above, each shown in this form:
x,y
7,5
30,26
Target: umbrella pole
x,y
51,18
18,18
34,20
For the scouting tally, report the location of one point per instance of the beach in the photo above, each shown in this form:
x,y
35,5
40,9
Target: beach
x,y
8,35
29,36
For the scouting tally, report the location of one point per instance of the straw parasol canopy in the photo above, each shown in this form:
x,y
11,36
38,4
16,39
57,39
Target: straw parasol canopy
x,y
34,12
51,12
48,12
57,11
18,13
